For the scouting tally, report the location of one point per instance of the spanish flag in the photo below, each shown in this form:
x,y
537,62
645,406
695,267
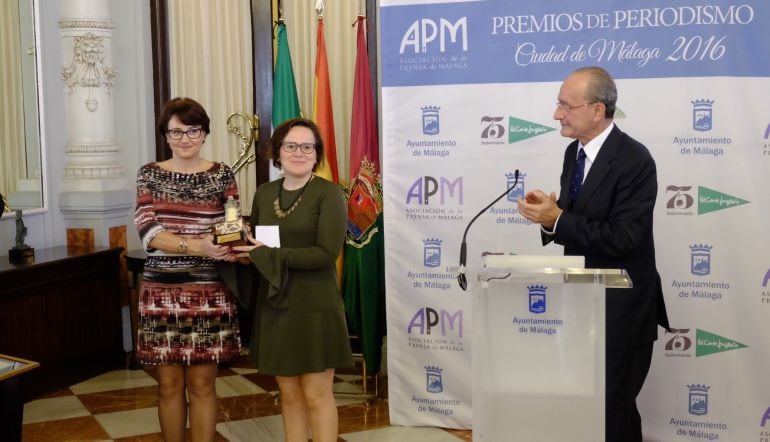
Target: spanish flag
x,y
322,109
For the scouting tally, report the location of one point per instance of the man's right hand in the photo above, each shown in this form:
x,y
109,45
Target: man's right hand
x,y
540,208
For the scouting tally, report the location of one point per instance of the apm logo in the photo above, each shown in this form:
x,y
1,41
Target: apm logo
x,y
424,32
427,187
767,279
765,417
426,319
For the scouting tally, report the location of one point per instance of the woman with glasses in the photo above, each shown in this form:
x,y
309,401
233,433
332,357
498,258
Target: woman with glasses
x,y
188,317
300,335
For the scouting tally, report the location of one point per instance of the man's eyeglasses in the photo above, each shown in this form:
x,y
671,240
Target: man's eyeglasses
x,y
176,134
566,107
303,147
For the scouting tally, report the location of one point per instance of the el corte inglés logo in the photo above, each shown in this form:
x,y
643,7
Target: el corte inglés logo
x,y
710,200
709,343
519,130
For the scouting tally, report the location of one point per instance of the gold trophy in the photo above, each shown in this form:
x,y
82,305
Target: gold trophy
x,y
230,232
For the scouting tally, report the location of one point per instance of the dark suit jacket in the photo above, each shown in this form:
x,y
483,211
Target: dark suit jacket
x,y
611,225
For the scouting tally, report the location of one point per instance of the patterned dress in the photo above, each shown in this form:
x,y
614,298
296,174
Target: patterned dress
x,y
187,315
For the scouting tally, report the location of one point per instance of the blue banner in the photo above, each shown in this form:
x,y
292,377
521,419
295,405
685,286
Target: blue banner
x,y
502,41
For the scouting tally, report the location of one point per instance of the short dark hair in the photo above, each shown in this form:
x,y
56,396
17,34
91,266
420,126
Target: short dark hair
x,y
187,110
283,129
601,88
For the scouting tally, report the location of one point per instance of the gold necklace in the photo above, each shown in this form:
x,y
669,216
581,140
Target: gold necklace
x,y
280,212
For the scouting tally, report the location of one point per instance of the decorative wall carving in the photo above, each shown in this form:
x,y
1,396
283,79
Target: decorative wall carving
x,y
88,69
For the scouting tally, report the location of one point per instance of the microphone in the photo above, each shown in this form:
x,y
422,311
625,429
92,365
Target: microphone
x,y
462,280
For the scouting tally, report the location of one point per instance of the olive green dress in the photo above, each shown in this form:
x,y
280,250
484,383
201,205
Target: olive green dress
x,y
300,321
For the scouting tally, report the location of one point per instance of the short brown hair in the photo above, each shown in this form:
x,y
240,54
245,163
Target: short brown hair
x,y
283,129
187,110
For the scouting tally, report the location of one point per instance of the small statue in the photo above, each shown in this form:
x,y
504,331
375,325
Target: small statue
x,y
21,232
21,253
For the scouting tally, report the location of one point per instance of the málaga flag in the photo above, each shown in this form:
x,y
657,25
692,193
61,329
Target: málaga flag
x,y
363,284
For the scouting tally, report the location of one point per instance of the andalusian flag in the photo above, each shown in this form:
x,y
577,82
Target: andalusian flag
x,y
285,101
322,108
363,284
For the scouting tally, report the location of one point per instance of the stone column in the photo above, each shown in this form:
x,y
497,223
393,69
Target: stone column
x,y
95,203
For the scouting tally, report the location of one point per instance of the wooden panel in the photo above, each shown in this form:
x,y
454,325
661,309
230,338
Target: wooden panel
x,y
161,71
262,49
80,238
64,312
118,238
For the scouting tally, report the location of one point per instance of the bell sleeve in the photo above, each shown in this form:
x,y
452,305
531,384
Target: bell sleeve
x,y
275,263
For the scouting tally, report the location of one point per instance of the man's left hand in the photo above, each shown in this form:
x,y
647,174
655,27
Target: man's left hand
x,y
540,208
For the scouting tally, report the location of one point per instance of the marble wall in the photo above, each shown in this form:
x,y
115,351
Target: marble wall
x,y
133,115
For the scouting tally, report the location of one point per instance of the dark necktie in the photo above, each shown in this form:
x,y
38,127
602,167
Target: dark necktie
x,y
577,177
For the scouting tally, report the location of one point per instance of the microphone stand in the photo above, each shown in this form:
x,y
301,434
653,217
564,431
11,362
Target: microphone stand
x,y
462,280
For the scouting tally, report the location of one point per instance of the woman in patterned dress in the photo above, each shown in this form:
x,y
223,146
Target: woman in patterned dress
x,y
188,317
300,335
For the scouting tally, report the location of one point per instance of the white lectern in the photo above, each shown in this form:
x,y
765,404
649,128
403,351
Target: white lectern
x,y
538,349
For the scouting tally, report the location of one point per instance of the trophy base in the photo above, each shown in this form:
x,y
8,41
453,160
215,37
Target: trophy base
x,y
231,239
21,256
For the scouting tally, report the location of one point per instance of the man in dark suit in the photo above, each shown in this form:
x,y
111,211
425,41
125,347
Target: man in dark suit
x,y
604,212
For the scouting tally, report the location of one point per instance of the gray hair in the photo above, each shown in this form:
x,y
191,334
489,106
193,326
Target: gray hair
x,y
601,88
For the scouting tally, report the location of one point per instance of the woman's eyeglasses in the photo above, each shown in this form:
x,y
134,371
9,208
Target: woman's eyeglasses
x,y
176,134
303,147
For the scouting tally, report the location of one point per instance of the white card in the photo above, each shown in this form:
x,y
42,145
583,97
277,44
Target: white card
x,y
267,235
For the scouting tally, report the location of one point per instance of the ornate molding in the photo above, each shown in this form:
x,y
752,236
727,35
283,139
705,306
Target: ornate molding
x,y
88,69
92,148
95,172
83,23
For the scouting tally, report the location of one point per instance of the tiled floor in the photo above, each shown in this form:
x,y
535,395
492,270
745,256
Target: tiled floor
x,y
122,406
